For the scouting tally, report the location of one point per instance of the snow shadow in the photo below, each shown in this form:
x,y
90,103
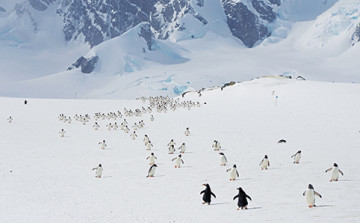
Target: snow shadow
x,y
324,206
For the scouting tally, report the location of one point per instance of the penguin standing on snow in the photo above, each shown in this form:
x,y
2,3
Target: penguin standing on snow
x,y
216,145
146,139
207,194
151,118
297,157
103,144
171,149
178,161
171,143
233,173
182,148
99,171
223,159
96,126
242,201
149,145
187,132
62,133
151,159
152,170
264,163
334,172
133,135
310,196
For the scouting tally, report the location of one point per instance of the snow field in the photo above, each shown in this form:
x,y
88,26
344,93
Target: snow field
x,y
46,178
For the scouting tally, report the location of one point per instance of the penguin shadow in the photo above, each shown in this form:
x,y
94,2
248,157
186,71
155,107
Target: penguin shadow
x,y
254,208
324,205
106,176
245,179
220,203
346,180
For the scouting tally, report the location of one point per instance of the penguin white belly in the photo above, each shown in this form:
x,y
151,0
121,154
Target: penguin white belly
x,y
99,171
183,149
171,150
297,157
152,172
222,160
152,160
233,174
178,162
335,174
264,164
310,197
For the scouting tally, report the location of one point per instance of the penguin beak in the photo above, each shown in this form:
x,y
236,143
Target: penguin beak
x,y
203,184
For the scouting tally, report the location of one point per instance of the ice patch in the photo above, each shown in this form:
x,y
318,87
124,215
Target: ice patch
x,y
180,89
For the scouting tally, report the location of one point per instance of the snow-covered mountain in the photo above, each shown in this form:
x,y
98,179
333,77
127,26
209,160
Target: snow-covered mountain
x,y
111,49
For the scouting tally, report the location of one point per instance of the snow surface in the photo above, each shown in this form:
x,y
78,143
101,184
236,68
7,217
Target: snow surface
x,y
46,178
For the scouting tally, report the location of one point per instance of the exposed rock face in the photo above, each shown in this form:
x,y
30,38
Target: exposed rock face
x,y
248,19
87,65
356,35
41,5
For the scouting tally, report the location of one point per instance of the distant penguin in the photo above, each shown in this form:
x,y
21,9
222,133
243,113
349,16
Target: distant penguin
x,y
151,159
152,170
242,201
182,148
233,173
151,118
297,157
178,161
133,135
207,194
282,141
171,149
103,144
334,172
96,126
223,159
171,143
25,102
216,145
264,163
149,145
187,132
10,119
99,171
310,196
146,139
62,133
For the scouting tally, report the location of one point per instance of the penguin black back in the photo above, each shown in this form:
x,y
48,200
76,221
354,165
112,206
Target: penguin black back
x,y
207,194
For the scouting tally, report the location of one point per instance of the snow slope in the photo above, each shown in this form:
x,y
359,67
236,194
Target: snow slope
x,y
46,178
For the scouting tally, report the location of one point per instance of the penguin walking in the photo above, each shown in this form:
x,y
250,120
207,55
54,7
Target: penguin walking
x,y
62,133
310,196
233,173
207,194
223,159
96,126
334,172
187,132
10,119
264,163
99,171
171,143
133,135
297,157
151,118
182,148
242,201
103,144
171,149
152,170
149,146
216,145
151,159
178,161
146,139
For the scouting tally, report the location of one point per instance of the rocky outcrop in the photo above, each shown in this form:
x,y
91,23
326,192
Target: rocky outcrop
x,y
87,65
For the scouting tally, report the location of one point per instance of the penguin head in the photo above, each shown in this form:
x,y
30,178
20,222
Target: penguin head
x,y
299,151
104,140
234,165
99,165
179,155
221,154
152,153
335,165
310,186
266,156
240,189
154,165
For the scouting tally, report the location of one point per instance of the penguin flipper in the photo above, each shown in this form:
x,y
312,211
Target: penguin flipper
x,y
328,169
304,193
316,193
202,192
237,174
235,197
341,172
213,194
248,197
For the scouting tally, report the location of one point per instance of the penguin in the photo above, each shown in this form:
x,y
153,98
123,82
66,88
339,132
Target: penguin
x,y
99,171
146,139
187,132
233,173
223,159
133,135
207,194
171,149
151,118
242,201
334,172
297,157
282,141
62,133
182,148
178,161
103,144
152,170
151,159
216,145
264,163
310,196
149,145
10,119
171,143
96,126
